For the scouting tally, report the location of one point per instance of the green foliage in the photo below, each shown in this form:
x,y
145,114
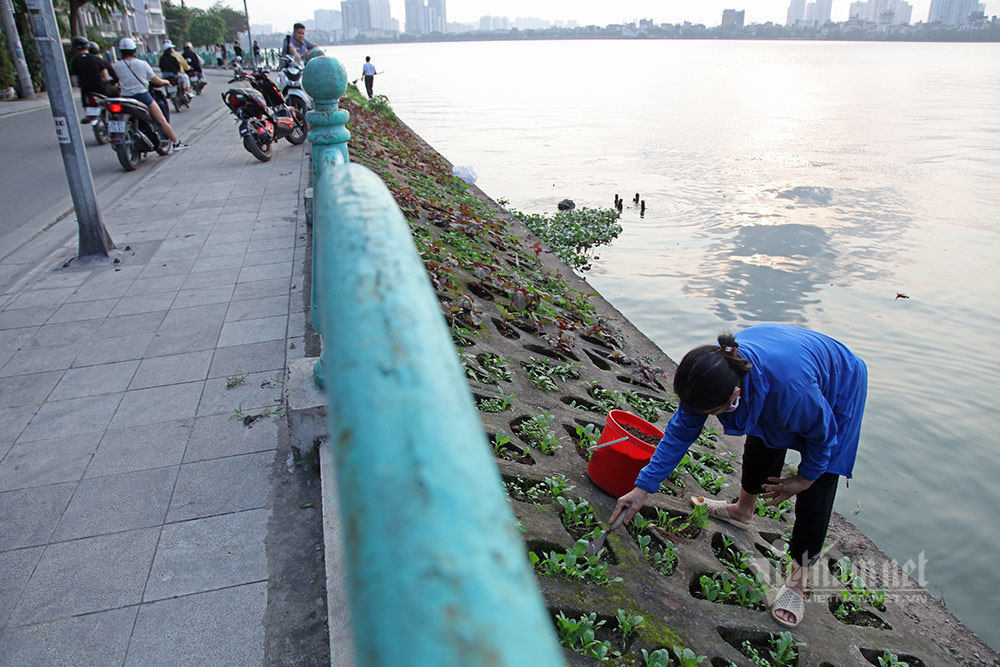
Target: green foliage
x,y
664,560
495,366
647,408
707,478
547,489
543,372
31,56
7,71
588,436
574,565
688,658
572,235
495,405
782,651
177,18
607,399
380,105
500,442
235,21
627,624
577,515
889,659
206,29
658,658
773,511
579,634
536,432
736,588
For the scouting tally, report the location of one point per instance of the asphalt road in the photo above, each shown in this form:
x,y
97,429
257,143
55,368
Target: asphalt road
x,y
33,185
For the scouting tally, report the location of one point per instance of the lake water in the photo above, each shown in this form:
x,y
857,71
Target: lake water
x,y
798,182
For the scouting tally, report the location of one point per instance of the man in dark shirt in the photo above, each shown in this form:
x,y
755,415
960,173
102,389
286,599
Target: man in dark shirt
x,y
91,71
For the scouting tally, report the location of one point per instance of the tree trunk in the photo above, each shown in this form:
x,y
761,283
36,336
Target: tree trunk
x,y
75,24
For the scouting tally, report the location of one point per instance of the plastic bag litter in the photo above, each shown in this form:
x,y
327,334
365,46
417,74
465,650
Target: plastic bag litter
x,y
466,173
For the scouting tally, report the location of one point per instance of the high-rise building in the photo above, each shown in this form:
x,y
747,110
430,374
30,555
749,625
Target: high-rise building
x,y
416,17
381,15
818,12
952,12
439,13
796,12
883,12
328,20
356,14
732,18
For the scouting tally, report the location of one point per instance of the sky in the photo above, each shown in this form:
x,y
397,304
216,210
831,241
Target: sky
x,y
585,12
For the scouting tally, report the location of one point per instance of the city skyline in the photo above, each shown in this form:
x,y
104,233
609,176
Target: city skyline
x,y
709,12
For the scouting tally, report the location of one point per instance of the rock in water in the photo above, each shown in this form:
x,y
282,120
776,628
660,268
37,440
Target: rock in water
x,y
567,205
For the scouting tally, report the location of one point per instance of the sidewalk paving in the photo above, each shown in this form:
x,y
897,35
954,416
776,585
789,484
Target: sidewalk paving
x,y
134,508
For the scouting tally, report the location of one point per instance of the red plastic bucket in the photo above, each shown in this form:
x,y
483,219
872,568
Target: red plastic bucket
x,y
614,468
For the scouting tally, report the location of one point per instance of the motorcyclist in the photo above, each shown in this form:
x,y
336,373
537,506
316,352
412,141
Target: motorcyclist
x,y
95,50
193,60
135,76
91,71
173,65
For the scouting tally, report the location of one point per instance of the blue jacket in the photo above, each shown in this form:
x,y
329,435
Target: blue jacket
x,y
806,392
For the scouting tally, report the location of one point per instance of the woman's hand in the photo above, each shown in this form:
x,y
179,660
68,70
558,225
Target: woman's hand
x,y
783,488
630,503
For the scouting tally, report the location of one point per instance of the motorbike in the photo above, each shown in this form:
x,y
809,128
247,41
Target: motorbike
x,y
262,114
198,82
176,93
290,83
96,114
133,132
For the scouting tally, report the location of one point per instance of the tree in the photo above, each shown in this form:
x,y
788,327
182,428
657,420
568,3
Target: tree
x,y
104,9
236,22
178,19
206,29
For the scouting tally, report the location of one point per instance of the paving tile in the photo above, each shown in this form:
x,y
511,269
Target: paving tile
x,y
249,274
41,297
146,303
128,325
117,503
11,340
223,627
172,369
100,290
109,350
14,420
92,574
269,257
47,461
250,358
92,639
15,569
259,330
65,333
40,359
220,486
20,390
258,390
145,286
182,319
174,267
140,447
95,380
215,263
58,419
249,309
262,245
158,404
261,288
203,296
28,516
203,336
217,278
26,317
83,310
296,347
64,278
223,248
219,435
207,554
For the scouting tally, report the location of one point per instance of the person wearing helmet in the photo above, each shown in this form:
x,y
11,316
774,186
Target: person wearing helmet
x,y
172,64
91,71
95,50
135,76
194,62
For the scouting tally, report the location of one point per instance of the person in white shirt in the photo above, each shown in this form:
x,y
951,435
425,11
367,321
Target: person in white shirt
x,y
134,76
368,71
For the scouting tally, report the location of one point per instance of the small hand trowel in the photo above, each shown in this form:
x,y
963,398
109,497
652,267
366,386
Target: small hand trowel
x,y
596,545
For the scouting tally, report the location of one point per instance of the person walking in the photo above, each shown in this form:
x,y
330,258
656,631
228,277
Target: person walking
x,y
784,387
368,72
256,52
135,76
218,55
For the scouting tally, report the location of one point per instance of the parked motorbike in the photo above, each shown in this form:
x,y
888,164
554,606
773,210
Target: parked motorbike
x,y
290,83
133,131
176,93
96,114
262,114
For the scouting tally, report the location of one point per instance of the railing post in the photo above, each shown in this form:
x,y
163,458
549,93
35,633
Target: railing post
x,y
437,573
325,79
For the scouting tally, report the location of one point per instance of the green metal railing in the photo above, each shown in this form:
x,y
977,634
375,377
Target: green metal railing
x,y
435,565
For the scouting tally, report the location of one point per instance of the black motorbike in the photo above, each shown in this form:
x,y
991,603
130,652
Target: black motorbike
x,y
133,131
198,82
95,111
176,92
262,114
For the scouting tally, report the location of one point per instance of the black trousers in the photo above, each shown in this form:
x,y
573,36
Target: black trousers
x,y
369,84
813,506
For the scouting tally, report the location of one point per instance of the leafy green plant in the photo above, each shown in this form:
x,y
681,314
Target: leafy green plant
x,y
689,526
495,405
715,463
665,561
627,624
707,438
579,634
647,408
558,485
572,235
772,511
235,381
380,105
548,488
536,432
587,435
574,565
877,599
658,658
784,649
705,477
607,399
889,659
577,515
500,442
543,372
736,588
495,366
688,658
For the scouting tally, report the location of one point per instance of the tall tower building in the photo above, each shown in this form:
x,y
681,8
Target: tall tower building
x,y
796,12
952,12
381,15
416,17
437,15
328,19
732,18
356,14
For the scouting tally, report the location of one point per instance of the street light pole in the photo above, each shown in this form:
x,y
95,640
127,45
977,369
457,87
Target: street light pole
x,y
253,56
95,242
25,89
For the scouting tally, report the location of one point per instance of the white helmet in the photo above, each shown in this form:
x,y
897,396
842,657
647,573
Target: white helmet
x,y
126,44
167,44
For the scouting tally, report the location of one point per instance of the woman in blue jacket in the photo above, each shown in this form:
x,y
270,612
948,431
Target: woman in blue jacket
x,y
784,387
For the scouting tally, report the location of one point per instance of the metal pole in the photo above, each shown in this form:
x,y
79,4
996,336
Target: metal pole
x,y
94,239
253,56
25,89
